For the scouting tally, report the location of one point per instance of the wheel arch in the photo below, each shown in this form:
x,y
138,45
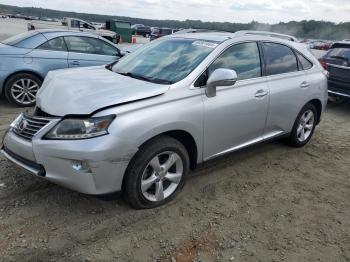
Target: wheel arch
x,y
318,105
188,141
184,137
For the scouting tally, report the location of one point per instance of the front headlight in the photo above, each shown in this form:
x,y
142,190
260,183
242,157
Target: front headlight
x,y
77,128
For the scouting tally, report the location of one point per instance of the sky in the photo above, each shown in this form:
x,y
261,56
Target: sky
x,y
267,11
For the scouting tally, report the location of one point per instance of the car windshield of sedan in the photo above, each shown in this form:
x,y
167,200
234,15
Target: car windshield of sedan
x,y
14,40
165,61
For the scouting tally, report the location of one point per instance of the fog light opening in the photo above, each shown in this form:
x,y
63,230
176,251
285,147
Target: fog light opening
x,y
81,166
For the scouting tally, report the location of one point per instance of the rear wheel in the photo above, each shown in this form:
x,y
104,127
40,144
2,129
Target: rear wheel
x,y
156,173
21,89
304,126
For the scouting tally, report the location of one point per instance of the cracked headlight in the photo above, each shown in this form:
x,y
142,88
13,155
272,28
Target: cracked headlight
x,y
80,128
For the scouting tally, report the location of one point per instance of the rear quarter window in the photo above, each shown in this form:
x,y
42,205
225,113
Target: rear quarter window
x,y
305,64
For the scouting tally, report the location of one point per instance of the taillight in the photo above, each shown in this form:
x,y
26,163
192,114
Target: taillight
x,y
324,64
326,73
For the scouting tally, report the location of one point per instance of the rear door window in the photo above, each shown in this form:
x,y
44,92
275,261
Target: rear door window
x,y
90,45
280,59
56,44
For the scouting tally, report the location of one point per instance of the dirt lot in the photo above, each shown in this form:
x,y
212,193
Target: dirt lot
x,y
266,203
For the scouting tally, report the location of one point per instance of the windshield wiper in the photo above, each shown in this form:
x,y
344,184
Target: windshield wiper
x,y
144,78
134,76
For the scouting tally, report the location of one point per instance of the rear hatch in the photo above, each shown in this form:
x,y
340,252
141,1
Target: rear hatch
x,y
338,62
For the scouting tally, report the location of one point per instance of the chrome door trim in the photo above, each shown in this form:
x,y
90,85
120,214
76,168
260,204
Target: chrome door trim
x,y
339,66
337,93
249,143
254,141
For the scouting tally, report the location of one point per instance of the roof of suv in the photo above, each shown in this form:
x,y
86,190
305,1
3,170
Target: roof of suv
x,y
219,36
209,36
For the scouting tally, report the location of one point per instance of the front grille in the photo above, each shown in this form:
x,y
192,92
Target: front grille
x,y
28,126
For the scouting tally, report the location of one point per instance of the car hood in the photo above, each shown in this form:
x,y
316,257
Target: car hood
x,y
11,50
82,91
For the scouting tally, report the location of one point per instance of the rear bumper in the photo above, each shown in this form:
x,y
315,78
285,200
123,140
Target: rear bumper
x,y
334,90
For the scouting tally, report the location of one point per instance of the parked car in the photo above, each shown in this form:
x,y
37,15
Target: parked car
x,y
321,45
138,126
326,46
337,63
75,25
26,59
159,32
142,30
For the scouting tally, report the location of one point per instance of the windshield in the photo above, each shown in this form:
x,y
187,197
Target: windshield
x,y
166,61
14,40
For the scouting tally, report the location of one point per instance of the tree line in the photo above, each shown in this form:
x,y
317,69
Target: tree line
x,y
304,29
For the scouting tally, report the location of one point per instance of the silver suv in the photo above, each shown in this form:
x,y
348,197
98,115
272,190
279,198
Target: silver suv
x,y
139,125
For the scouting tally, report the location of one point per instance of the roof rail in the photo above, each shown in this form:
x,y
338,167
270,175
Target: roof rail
x,y
194,30
266,33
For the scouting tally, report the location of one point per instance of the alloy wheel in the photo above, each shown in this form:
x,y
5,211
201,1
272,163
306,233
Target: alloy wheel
x,y
306,125
162,176
24,91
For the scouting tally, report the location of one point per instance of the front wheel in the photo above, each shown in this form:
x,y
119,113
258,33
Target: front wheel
x,y
156,173
304,126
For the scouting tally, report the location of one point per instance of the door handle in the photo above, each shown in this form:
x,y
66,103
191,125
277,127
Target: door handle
x,y
75,63
261,93
304,84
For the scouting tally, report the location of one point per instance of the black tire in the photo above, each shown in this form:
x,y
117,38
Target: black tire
x,y
132,181
336,99
12,80
293,138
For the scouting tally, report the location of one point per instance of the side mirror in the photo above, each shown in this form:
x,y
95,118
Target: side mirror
x,y
220,77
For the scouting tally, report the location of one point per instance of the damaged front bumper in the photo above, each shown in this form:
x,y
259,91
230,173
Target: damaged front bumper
x,y
91,166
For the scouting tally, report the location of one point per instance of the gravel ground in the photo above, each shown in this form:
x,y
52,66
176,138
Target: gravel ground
x,y
265,203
